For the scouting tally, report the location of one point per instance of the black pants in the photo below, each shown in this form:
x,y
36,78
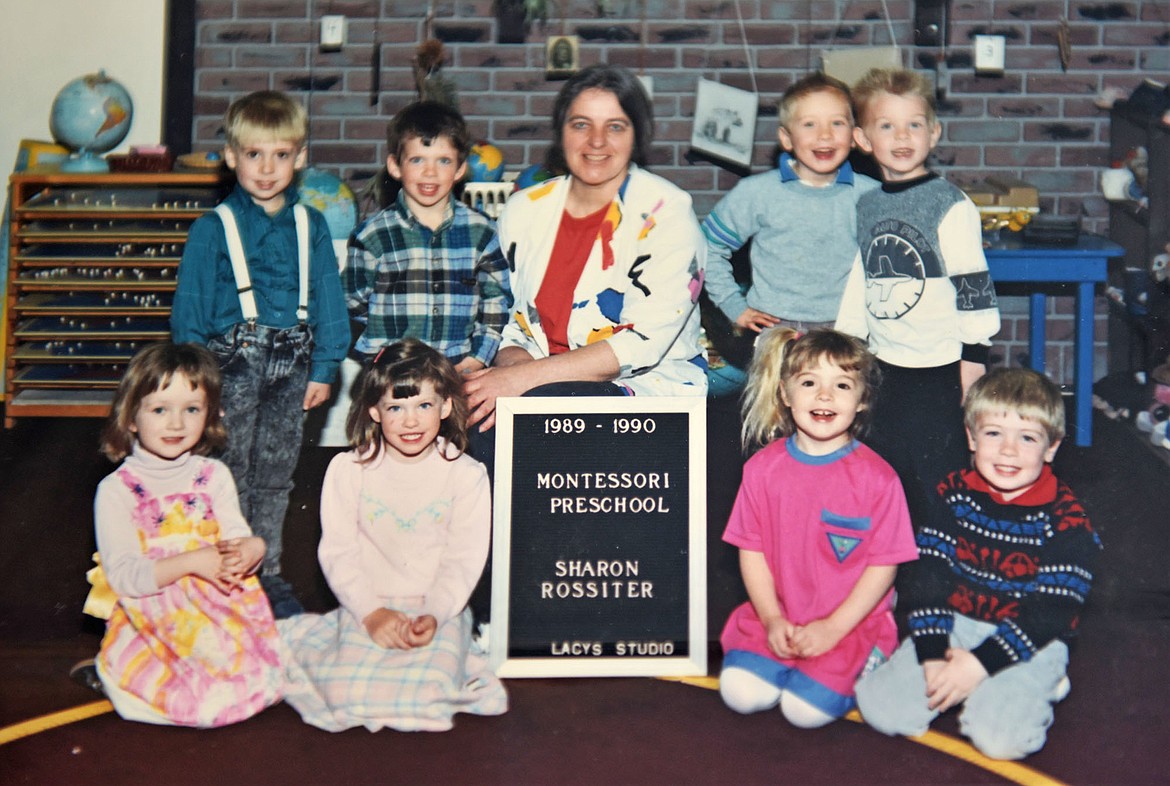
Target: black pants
x,y
917,426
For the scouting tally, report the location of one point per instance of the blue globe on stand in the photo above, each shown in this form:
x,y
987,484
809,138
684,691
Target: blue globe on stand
x,y
532,176
485,164
90,115
332,198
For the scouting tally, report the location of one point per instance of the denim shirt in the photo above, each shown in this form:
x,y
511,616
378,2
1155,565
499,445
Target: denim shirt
x,y
206,304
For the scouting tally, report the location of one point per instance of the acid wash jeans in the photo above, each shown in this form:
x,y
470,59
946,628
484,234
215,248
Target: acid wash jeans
x,y
265,373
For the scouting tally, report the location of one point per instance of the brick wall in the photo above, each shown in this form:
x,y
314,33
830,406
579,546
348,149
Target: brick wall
x,y
1037,121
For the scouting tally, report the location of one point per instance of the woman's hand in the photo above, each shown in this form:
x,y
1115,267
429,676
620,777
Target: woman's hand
x,y
483,387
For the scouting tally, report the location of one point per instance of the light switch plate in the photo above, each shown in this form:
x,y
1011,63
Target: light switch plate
x,y
989,54
332,31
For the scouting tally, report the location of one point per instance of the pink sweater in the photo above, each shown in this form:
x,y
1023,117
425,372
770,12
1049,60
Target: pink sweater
x,y
394,532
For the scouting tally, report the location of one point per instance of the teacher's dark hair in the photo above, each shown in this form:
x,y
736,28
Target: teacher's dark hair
x,y
630,95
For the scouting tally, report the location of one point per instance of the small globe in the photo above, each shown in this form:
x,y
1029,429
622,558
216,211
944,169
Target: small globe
x,y
485,164
91,115
333,198
531,176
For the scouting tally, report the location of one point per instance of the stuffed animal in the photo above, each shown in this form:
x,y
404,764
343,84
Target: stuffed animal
x,y
1160,265
1154,419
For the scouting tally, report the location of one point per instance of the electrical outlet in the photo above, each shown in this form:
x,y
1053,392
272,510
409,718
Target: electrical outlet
x,y
332,32
989,54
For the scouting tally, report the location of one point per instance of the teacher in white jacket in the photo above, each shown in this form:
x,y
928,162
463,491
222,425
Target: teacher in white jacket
x,y
606,262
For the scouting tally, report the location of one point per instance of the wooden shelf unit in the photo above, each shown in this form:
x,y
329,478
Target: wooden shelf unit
x,y
1139,332
91,275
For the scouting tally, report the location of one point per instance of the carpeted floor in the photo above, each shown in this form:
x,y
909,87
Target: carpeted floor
x,y
1109,731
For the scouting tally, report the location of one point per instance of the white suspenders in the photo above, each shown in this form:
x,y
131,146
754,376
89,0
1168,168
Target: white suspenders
x,y
240,261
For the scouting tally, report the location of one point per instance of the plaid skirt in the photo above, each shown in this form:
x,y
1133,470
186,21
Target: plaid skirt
x,y
337,678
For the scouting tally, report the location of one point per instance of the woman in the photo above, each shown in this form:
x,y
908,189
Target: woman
x,y
608,262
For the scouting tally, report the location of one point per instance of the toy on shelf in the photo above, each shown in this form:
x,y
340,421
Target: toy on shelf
x,y
1160,265
91,115
489,197
1004,202
1155,418
1125,181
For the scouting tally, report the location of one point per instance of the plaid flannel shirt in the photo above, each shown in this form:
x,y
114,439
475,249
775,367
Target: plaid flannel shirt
x,y
448,287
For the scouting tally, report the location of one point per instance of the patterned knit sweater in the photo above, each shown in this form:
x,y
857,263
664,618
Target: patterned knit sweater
x,y
920,291
1025,566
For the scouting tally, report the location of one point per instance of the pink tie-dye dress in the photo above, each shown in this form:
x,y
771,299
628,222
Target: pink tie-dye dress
x,y
189,654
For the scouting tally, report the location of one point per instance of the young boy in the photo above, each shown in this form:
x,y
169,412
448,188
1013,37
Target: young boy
x,y
919,289
1006,561
274,315
428,267
801,218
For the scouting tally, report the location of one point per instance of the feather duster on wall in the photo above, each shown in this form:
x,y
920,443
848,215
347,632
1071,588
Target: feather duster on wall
x,y
381,190
428,77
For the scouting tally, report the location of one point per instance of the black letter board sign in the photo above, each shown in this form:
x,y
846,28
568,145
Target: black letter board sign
x,y
599,545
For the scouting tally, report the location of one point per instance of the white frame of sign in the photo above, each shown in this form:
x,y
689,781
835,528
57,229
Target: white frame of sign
x,y
694,663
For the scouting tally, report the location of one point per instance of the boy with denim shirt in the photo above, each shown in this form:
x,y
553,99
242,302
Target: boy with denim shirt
x,y
271,310
801,218
427,266
1006,561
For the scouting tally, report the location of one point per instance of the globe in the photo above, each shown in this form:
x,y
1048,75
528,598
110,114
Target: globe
x,y
332,198
90,115
531,176
485,164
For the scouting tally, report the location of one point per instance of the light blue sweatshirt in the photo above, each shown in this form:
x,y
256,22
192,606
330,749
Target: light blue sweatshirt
x,y
804,240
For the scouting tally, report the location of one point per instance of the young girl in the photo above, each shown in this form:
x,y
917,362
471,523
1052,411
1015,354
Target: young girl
x,y
405,524
821,524
190,638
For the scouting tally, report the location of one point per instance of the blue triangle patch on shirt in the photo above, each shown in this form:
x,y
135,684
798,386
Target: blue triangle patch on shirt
x,y
843,545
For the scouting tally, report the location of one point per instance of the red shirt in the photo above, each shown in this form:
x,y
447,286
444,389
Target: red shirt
x,y
554,301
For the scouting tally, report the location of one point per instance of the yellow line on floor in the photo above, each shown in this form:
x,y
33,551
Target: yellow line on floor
x,y
944,743
1008,770
54,719
959,749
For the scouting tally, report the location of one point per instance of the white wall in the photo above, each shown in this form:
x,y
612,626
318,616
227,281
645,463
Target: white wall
x,y
46,43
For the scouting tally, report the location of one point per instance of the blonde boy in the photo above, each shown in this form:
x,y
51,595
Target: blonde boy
x,y
801,218
1006,561
919,291
279,351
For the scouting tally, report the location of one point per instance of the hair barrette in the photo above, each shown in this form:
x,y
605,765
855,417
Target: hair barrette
x,y
378,356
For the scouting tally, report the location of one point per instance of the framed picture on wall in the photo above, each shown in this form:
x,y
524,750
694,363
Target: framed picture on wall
x,y
725,122
562,56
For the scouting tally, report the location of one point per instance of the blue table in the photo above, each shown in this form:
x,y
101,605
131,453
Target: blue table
x,y
1083,265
